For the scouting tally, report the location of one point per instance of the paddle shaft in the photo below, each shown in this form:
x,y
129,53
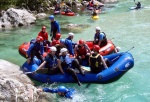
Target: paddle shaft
x,y
28,73
130,49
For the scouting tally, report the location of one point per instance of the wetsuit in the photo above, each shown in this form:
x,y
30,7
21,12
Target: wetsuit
x,y
69,44
51,64
68,94
55,28
69,64
102,37
36,49
138,5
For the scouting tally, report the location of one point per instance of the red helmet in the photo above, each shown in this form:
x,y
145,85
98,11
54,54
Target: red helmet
x,y
43,27
81,41
39,38
96,48
58,35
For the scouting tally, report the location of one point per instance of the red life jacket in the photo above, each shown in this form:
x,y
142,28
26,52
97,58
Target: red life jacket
x,y
54,42
44,35
81,50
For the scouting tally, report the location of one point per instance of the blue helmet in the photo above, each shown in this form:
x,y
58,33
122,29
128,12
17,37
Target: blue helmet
x,y
62,89
51,17
62,40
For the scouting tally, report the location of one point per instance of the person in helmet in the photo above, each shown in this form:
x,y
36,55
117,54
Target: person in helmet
x,y
36,48
44,34
59,46
96,61
94,13
61,90
55,27
82,51
100,38
56,40
67,9
68,63
68,43
50,63
57,8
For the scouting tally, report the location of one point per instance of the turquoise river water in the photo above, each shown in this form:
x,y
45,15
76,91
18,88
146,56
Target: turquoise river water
x,y
127,29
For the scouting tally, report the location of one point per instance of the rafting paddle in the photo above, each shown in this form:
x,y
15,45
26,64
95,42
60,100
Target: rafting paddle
x,y
28,73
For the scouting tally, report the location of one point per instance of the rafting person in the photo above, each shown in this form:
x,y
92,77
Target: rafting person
x,y
90,4
82,51
50,63
138,5
94,13
67,10
57,7
100,38
55,27
96,61
61,90
59,47
68,43
36,48
68,63
56,40
44,34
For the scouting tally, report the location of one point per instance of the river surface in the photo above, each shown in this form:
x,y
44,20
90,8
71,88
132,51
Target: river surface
x,y
126,28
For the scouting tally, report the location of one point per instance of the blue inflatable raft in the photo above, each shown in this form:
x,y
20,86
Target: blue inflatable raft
x,y
120,63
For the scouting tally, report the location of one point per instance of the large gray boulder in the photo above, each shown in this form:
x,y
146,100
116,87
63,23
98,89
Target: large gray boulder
x,y
41,15
16,86
16,17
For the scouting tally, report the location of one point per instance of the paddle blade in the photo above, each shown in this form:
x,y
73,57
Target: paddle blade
x,y
27,73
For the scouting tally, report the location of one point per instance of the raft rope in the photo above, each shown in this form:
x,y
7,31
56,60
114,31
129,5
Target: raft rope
x,y
121,54
115,70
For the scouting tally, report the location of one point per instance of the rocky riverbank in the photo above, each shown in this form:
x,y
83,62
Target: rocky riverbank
x,y
22,17
16,86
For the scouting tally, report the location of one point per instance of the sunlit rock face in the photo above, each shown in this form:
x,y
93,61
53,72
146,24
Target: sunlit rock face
x,y
15,86
16,17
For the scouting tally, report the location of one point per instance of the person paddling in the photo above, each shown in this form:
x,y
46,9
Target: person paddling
x,y
138,5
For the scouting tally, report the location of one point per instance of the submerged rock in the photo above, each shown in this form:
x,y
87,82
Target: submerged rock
x,y
75,27
41,16
16,86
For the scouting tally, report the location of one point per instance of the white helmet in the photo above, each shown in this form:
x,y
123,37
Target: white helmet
x,y
53,48
63,50
118,48
70,34
98,28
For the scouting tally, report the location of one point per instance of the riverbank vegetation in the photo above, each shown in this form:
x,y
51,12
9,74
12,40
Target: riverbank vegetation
x,y
28,4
